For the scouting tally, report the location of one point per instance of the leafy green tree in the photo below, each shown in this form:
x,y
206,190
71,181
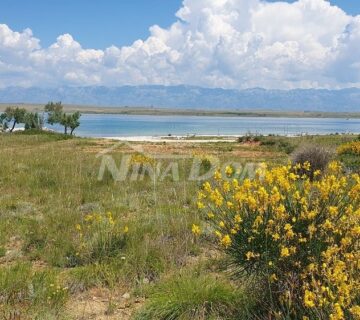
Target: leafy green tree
x,y
55,112
33,121
56,115
3,123
74,121
12,115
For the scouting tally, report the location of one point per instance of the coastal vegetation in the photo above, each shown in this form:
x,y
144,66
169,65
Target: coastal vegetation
x,y
74,246
296,232
349,153
56,115
13,116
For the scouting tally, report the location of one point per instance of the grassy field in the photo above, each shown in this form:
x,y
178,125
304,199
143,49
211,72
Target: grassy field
x,y
73,246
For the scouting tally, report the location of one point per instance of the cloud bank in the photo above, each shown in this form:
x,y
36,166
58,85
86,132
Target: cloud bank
x,y
212,43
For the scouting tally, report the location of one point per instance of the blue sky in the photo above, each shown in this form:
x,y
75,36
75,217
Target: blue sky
x,y
94,23
100,23
211,43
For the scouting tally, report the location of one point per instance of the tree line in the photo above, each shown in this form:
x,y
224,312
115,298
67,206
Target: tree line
x,y
53,113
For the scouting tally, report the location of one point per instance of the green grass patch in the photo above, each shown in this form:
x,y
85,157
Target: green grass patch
x,y
196,296
35,291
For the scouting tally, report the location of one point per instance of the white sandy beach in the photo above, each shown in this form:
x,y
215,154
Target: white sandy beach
x,y
176,139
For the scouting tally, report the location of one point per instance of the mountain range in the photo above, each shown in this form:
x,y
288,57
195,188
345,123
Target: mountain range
x,y
190,97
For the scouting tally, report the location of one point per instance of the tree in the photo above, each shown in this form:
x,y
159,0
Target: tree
x,y
33,121
73,121
12,114
3,123
54,111
57,115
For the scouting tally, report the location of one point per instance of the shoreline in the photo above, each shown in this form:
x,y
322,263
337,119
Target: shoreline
x,y
147,111
175,139
193,138
206,138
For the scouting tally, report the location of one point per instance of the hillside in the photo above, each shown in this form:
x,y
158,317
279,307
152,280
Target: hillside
x,y
188,97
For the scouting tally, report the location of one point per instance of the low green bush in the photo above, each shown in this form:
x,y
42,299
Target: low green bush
x,y
195,296
280,144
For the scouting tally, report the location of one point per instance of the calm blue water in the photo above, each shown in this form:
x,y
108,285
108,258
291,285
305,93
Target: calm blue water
x,y
108,125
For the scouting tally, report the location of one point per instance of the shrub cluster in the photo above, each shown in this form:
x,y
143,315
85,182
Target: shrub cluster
x,y
300,237
248,138
351,148
349,154
317,156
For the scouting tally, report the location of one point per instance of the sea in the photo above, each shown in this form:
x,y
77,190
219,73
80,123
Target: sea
x,y
113,125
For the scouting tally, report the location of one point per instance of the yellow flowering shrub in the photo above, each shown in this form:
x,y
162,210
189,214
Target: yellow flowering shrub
x,y
141,159
352,148
100,236
142,164
301,236
205,161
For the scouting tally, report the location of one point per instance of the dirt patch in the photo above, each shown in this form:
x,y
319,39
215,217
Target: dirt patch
x,y
251,143
114,147
13,251
39,265
102,304
255,154
245,150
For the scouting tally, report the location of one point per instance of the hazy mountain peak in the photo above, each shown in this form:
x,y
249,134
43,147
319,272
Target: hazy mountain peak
x,y
184,96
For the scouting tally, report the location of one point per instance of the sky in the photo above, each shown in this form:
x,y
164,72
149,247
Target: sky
x,y
100,24
94,23
210,43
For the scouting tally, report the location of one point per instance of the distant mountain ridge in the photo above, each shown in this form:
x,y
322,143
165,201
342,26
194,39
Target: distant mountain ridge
x,y
190,97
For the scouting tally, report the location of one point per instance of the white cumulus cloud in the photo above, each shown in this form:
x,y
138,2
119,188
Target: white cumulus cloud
x,y
212,43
